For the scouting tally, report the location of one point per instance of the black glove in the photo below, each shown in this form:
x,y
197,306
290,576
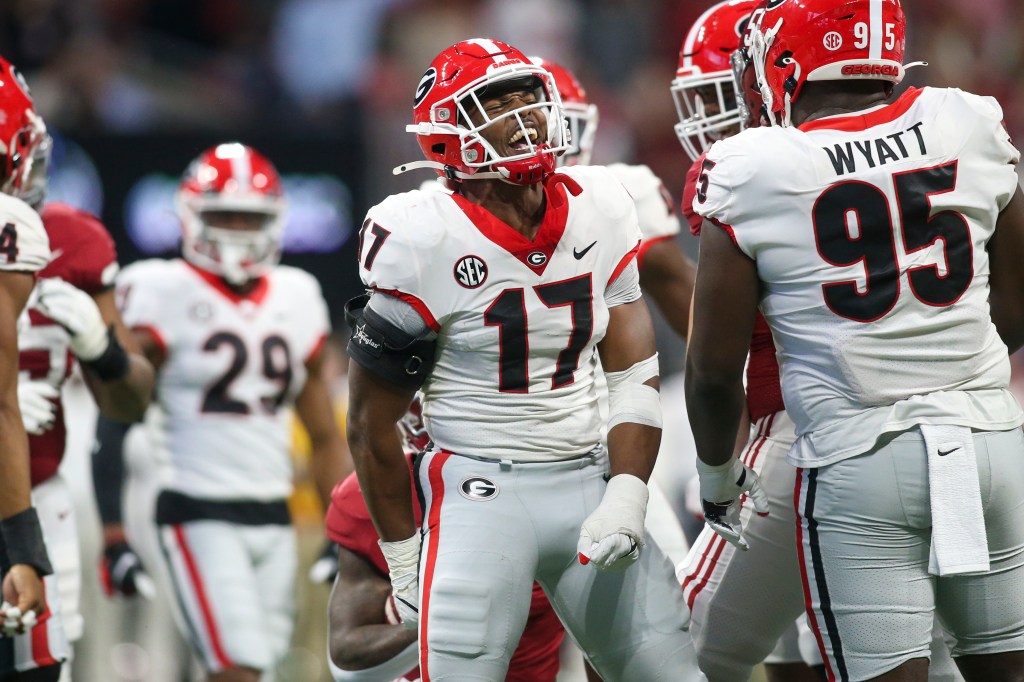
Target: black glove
x,y
325,568
121,570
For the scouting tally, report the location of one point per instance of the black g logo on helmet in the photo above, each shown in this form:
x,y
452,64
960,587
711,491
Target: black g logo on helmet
x,y
772,4
425,84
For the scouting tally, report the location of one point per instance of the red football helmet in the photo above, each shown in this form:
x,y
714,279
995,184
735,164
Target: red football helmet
x,y
703,87
231,178
580,113
795,41
21,130
455,85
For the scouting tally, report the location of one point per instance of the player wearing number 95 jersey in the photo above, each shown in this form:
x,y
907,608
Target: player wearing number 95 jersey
x,y
881,237
236,340
497,297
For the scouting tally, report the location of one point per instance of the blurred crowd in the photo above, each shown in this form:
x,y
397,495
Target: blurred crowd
x,y
328,67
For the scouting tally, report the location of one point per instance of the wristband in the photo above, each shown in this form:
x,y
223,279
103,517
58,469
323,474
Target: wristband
x,y
23,540
113,363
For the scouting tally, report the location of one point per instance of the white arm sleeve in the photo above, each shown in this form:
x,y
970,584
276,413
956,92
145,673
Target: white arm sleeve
x,y
401,315
387,671
625,288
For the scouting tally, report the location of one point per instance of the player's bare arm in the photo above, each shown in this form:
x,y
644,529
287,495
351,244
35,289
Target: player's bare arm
x,y
22,585
1006,251
724,306
632,447
125,398
360,635
375,406
666,275
330,460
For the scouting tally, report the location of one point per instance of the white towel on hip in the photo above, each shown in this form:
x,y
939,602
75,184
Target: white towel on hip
x,y
959,542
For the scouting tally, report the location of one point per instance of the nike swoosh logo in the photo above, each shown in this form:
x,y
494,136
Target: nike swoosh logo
x,y
580,254
943,453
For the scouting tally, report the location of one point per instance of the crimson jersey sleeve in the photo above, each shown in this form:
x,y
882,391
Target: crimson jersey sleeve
x,y
690,193
348,523
83,252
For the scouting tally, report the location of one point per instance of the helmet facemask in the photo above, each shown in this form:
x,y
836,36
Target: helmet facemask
x,y
20,151
237,255
707,108
582,120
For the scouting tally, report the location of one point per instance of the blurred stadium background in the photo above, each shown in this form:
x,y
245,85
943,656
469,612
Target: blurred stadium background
x,y
133,89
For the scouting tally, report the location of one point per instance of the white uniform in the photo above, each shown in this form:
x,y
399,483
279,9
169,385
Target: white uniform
x,y
511,405
24,247
869,233
234,364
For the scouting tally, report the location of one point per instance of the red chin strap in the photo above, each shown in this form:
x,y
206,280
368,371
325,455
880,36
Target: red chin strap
x,y
528,171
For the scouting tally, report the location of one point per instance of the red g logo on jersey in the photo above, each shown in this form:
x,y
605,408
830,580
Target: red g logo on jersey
x,y
470,272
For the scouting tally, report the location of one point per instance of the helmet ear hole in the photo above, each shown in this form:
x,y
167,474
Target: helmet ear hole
x,y
438,148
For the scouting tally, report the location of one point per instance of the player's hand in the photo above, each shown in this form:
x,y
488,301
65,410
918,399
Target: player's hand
x,y
325,568
36,401
121,572
721,490
77,312
403,559
23,600
612,535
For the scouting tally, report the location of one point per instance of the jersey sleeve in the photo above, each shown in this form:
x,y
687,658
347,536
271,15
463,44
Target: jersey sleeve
x,y
990,143
141,300
348,523
654,208
317,319
395,245
83,250
723,180
693,219
24,246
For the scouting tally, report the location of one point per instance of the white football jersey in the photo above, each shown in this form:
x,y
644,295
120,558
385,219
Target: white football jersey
x,y
234,365
869,232
517,320
654,208
24,246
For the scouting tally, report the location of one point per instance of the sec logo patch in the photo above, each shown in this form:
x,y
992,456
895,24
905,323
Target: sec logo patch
x,y
470,272
478,488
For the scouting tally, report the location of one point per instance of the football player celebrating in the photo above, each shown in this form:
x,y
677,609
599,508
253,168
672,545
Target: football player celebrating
x,y
236,340
496,298
873,276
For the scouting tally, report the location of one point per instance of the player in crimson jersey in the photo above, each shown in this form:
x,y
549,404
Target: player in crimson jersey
x,y
72,316
891,367
495,298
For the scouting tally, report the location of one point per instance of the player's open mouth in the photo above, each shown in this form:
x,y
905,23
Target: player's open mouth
x,y
518,141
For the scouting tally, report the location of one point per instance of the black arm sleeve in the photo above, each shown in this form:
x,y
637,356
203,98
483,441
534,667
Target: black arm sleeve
x,y
385,350
108,468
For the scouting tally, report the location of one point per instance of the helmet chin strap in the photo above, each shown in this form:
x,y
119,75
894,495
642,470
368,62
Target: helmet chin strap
x,y
528,171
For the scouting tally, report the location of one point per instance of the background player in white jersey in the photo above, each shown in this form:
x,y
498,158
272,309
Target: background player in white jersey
x,y
861,225
24,251
746,606
236,340
501,276
71,316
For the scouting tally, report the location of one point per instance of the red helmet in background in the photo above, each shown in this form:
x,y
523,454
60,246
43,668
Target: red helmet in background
x,y
795,41
455,85
231,178
21,130
580,113
703,87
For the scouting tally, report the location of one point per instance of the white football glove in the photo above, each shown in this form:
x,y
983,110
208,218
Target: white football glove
x,y
77,312
14,621
721,489
404,568
612,535
35,398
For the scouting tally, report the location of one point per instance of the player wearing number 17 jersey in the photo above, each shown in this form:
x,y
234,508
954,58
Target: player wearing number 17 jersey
x,y
874,232
236,339
496,298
